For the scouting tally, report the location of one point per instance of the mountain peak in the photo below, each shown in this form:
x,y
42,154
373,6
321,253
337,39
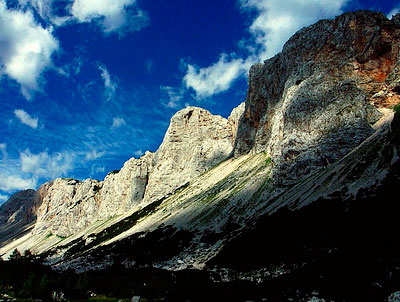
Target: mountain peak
x,y
316,100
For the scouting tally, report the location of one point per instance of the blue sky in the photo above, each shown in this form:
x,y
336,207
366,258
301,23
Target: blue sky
x,y
87,84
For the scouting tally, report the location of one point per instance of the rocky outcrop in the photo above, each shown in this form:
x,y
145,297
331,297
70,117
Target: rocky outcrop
x,y
68,206
306,108
122,190
195,141
315,101
20,207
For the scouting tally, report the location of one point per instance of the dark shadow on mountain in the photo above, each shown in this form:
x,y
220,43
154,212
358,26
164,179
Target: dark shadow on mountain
x,y
14,230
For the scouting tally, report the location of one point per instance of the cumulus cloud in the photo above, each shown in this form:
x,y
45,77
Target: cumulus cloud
x,y
47,165
215,78
25,48
112,15
275,23
117,122
26,119
279,20
10,183
109,85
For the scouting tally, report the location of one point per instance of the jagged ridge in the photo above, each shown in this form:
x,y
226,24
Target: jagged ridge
x,y
306,109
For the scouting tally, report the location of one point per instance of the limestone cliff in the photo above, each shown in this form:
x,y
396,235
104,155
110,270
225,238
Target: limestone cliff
x,y
315,101
306,108
195,141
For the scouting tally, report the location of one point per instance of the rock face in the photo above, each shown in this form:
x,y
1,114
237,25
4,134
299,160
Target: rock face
x,y
123,190
20,207
195,141
68,206
314,102
306,108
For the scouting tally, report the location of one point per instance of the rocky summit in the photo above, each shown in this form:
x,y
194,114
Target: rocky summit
x,y
195,141
315,101
295,185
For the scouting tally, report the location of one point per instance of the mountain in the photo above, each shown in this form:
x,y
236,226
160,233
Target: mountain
x,y
296,190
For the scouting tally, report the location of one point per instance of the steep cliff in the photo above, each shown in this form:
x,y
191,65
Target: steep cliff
x,y
307,134
316,100
21,206
195,141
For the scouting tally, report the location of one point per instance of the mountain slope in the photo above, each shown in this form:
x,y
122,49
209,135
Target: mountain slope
x,y
315,144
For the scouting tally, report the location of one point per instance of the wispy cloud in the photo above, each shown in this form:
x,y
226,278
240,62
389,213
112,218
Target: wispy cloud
x,y
94,154
138,153
25,49
96,169
393,12
3,198
3,149
275,22
109,85
117,122
175,95
47,165
26,119
149,66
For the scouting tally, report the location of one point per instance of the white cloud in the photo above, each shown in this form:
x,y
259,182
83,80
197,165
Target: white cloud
x,y
96,169
216,78
275,23
45,9
279,20
393,12
175,95
47,165
112,15
117,122
3,198
10,183
109,85
138,153
3,149
26,119
25,48
92,155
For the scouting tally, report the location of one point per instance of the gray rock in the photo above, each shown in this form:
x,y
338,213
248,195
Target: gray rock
x,y
135,299
394,297
316,299
311,104
195,141
20,207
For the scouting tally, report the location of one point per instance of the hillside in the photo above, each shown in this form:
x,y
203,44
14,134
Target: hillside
x,y
295,191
